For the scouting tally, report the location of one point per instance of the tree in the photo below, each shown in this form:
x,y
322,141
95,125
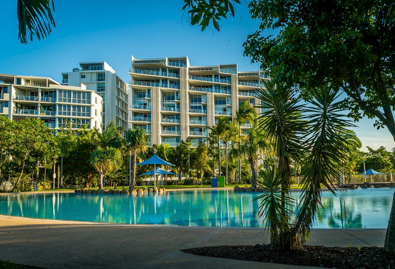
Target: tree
x,y
229,134
201,159
136,143
66,140
35,18
347,45
105,161
180,157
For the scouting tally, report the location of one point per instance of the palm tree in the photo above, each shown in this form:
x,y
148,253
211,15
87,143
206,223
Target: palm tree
x,y
136,143
245,113
109,137
105,161
229,134
35,17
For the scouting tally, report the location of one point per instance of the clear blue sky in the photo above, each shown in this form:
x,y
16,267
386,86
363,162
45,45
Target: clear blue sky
x,y
112,31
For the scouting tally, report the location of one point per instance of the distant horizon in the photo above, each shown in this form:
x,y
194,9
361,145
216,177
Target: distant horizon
x,y
155,29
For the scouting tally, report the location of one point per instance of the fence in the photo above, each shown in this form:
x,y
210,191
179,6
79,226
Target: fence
x,y
388,177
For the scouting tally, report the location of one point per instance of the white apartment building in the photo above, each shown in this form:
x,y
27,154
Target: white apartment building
x,y
101,78
43,97
174,101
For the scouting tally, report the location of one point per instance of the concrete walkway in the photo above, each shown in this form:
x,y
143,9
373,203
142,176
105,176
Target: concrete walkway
x,y
66,244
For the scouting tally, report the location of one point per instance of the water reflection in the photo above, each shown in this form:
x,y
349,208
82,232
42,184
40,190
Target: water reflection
x,y
221,208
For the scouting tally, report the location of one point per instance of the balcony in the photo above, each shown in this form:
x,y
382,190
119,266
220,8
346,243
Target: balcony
x,y
171,132
202,111
210,79
138,118
155,73
65,81
145,107
48,99
144,83
179,64
204,133
47,112
199,122
26,111
252,84
169,120
172,109
51,125
1,96
26,98
222,112
171,144
203,89
250,93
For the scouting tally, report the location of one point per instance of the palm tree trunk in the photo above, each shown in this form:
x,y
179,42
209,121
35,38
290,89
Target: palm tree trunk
x,y
45,175
226,162
389,244
130,169
239,154
254,167
61,172
219,157
134,169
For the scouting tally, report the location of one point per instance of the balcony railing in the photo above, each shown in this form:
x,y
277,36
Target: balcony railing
x,y
146,107
177,64
197,133
201,122
171,120
141,119
156,73
149,62
154,84
171,144
26,111
221,112
48,99
210,79
175,109
74,114
65,81
50,124
171,132
250,93
197,111
47,112
252,84
26,98
202,89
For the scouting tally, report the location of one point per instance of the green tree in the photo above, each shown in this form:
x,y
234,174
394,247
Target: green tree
x,y
66,141
105,161
180,157
136,143
35,18
200,160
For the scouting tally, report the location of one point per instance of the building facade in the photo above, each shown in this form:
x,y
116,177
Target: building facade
x,y
42,97
101,78
174,101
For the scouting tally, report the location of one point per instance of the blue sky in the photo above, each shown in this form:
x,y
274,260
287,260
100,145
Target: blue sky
x,y
96,30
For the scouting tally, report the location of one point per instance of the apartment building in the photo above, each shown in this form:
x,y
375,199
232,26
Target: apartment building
x,y
173,100
43,97
101,78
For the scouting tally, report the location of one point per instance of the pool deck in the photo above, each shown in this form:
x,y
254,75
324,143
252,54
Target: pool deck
x,y
70,244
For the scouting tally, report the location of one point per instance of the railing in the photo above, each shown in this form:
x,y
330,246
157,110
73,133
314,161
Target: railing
x,y
172,132
197,111
74,114
201,122
222,80
50,124
31,83
249,75
141,119
156,73
175,109
26,98
201,89
246,124
140,107
154,84
65,81
197,133
252,84
47,112
149,62
171,144
74,101
171,120
172,86
48,99
26,111
251,93
177,64
221,112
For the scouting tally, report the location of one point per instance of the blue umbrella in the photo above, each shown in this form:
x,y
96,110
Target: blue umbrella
x,y
155,160
371,172
159,171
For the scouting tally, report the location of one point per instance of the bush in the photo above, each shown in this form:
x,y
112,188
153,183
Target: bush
x,y
139,182
206,181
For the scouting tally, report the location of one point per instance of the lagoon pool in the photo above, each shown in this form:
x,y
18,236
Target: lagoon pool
x,y
361,208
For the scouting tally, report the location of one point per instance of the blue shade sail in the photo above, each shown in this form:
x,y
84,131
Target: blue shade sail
x,y
154,160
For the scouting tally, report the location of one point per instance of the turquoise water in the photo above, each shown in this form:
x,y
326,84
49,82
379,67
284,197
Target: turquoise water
x,y
368,208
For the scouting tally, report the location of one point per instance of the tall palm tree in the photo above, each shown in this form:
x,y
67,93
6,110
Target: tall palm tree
x,y
229,134
245,113
136,142
35,18
105,161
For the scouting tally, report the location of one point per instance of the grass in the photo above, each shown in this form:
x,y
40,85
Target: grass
x,y
9,265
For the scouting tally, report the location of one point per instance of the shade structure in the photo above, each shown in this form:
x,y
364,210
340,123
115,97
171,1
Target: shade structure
x,y
159,171
371,172
155,160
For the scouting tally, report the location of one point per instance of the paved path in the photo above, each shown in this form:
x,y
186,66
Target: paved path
x,y
66,244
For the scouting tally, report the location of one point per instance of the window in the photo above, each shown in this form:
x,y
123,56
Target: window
x,y
82,75
101,87
101,76
95,112
95,100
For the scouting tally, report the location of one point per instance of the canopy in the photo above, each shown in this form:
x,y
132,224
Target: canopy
x,y
158,171
371,172
154,160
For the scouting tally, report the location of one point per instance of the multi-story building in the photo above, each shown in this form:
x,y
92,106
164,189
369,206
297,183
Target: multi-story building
x,y
174,101
42,97
101,78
